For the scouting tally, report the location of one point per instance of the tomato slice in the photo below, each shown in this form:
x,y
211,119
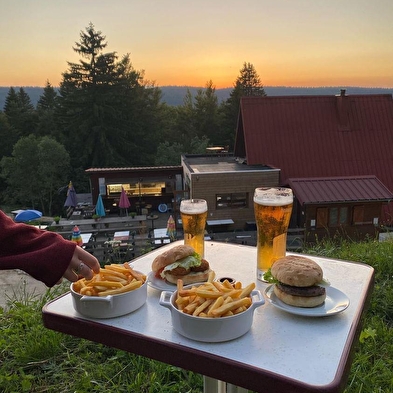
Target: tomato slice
x,y
158,273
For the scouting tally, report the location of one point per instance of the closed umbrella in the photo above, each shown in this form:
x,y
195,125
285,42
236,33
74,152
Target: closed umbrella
x,y
100,210
71,200
124,202
76,236
28,215
171,228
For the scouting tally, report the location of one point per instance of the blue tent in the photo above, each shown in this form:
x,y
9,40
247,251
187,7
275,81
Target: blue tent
x,y
28,215
100,210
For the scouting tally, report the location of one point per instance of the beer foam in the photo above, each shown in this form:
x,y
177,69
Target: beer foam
x,y
273,197
196,207
276,201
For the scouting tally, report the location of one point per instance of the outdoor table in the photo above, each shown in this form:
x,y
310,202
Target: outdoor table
x,y
152,218
160,236
121,235
228,221
86,237
282,352
223,223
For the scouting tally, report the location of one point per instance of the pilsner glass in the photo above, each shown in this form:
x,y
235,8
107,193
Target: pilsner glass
x,y
272,209
194,215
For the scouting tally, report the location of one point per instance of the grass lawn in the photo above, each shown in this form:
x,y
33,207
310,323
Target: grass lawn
x,y
35,359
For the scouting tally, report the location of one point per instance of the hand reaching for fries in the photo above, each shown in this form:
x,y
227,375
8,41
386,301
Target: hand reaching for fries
x,y
214,299
111,280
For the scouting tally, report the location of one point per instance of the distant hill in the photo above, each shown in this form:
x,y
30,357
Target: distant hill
x,y
174,95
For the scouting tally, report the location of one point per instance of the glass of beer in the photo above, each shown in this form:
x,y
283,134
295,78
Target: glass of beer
x,y
194,215
272,209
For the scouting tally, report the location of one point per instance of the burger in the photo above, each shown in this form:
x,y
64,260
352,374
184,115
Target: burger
x,y
181,262
296,281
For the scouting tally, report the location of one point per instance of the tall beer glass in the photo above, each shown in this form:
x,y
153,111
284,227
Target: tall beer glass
x,y
193,215
272,209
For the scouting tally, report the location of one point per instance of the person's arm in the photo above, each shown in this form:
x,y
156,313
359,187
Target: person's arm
x,y
44,255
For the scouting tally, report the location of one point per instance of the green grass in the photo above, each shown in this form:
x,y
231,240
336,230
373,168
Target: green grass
x,y
35,359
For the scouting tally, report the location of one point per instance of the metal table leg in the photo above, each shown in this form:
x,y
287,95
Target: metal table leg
x,y
211,385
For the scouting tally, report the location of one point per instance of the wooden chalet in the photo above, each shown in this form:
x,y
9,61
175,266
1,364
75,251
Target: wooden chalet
x,y
314,137
348,206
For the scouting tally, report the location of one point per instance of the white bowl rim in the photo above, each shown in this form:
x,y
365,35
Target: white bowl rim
x,y
249,309
104,297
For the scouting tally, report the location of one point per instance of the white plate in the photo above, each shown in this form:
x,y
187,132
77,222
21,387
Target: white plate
x,y
335,302
159,284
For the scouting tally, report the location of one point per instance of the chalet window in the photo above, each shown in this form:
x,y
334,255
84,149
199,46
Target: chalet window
x,y
358,215
322,217
331,217
231,201
338,216
136,189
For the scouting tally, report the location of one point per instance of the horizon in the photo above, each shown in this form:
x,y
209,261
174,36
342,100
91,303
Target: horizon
x,y
231,87
290,44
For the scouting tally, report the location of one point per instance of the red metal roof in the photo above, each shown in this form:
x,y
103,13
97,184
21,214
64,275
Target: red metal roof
x,y
319,136
339,189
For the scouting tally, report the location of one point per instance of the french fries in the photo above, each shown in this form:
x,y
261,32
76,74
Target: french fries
x,y
214,299
111,280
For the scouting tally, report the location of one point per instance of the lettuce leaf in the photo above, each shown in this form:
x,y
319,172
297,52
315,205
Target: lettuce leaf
x,y
268,277
187,263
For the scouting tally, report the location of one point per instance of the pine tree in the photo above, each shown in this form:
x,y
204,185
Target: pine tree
x,y
47,106
105,107
20,112
248,83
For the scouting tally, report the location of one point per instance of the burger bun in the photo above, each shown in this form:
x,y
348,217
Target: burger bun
x,y
299,301
170,256
298,278
297,271
188,274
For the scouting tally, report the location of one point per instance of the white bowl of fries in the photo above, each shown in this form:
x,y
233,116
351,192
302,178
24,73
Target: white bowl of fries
x,y
117,290
199,312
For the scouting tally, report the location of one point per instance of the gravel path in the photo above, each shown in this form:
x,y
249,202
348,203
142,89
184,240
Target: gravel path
x,y
15,284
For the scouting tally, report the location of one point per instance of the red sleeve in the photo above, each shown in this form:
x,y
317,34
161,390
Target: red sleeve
x,y
44,255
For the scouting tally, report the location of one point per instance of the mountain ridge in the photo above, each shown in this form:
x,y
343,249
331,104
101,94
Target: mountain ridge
x,y
174,95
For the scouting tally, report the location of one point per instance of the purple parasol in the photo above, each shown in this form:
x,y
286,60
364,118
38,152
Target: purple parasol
x,y
124,202
71,196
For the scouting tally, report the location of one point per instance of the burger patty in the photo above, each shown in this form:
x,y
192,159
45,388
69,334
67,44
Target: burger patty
x,y
202,267
182,271
314,290
179,271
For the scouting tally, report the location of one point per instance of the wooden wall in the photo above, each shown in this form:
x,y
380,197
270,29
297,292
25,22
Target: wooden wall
x,y
208,185
357,231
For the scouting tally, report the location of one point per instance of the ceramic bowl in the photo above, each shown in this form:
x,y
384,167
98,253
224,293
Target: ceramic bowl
x,y
110,306
210,329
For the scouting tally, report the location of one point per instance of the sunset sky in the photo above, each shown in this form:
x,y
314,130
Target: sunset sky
x,y
180,42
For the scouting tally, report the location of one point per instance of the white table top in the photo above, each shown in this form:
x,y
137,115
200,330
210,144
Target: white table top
x,y
86,237
227,221
281,350
121,234
158,233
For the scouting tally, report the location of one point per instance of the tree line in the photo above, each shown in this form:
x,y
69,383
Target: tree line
x,y
105,114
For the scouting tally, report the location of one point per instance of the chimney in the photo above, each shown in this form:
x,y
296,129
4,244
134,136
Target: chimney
x,y
343,111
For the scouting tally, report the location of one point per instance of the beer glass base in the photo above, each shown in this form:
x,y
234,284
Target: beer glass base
x,y
261,275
